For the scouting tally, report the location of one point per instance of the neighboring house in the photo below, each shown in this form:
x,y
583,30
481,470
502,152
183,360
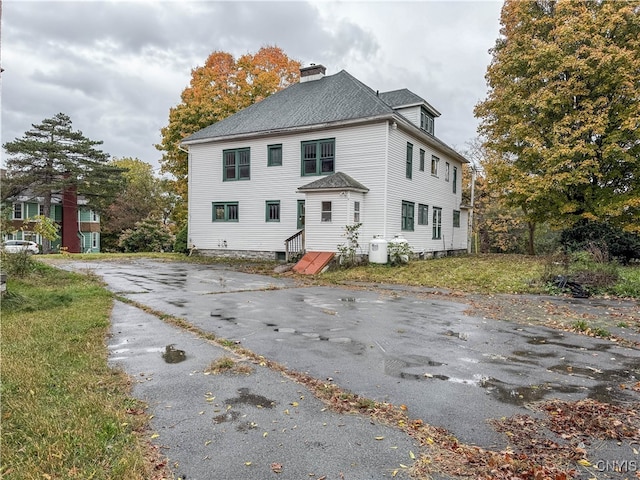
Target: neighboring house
x,y
79,225
319,155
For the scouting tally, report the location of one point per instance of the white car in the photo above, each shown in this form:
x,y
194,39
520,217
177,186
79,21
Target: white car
x,y
16,246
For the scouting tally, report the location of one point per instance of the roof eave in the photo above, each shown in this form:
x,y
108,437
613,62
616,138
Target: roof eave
x,y
435,112
297,129
432,140
333,189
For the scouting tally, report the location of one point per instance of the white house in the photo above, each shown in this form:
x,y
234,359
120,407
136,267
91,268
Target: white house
x,y
321,154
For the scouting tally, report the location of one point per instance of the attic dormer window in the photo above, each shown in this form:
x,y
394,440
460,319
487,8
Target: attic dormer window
x,y
426,121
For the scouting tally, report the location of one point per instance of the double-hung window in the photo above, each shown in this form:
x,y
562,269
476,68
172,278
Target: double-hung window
x,y
225,212
447,168
423,214
409,166
272,213
456,218
274,155
356,212
437,223
434,165
421,160
455,179
325,215
237,164
318,157
408,209
17,211
426,121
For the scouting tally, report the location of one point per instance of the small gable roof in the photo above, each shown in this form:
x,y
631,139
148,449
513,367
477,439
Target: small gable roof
x,y
335,181
406,98
335,98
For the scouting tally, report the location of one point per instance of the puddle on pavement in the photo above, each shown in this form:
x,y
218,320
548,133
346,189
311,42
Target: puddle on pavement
x,y
173,355
523,394
355,347
597,347
247,398
607,393
285,330
530,354
224,318
567,369
460,335
230,416
177,303
395,366
246,426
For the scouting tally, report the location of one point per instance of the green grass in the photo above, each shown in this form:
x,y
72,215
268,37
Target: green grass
x,y
64,411
484,273
629,284
481,273
488,274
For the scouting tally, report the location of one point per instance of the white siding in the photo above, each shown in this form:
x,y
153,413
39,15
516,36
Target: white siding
x,y
373,154
359,152
411,113
326,236
423,188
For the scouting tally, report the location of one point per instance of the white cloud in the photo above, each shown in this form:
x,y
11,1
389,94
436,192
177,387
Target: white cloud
x,y
116,68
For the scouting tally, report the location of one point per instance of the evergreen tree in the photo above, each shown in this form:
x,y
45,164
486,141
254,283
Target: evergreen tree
x,y
52,157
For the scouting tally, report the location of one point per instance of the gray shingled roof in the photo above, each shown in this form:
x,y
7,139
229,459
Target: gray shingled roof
x,y
398,98
335,181
331,99
334,98
405,97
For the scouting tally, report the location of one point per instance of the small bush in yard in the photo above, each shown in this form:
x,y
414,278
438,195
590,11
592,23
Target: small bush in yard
x,y
593,268
622,246
181,244
348,253
149,235
17,264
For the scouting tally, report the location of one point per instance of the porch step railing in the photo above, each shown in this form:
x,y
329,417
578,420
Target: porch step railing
x,y
294,246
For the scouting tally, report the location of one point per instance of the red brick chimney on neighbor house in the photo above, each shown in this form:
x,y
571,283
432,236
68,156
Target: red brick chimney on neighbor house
x,y
312,72
70,238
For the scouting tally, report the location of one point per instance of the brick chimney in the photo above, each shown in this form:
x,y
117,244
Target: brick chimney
x,y
312,72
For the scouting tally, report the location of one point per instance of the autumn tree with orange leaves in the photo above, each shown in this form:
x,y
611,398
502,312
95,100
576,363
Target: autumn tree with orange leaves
x,y
218,89
562,111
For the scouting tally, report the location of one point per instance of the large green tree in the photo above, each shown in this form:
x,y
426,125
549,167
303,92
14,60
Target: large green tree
x,y
563,110
142,195
218,89
52,157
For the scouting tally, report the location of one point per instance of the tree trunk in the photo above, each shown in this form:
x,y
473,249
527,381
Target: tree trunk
x,y
531,246
46,211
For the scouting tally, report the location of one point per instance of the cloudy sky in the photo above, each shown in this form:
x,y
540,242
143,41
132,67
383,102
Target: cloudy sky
x,y
116,67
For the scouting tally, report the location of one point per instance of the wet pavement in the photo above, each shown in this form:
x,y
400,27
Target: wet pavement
x,y
450,369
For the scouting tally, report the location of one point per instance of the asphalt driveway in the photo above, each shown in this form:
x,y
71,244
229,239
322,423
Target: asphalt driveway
x,y
450,369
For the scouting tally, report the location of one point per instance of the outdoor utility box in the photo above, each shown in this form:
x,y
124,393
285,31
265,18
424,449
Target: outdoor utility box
x,y
378,250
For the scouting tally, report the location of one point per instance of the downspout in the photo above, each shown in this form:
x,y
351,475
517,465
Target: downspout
x,y
80,234
189,242
470,232
386,181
